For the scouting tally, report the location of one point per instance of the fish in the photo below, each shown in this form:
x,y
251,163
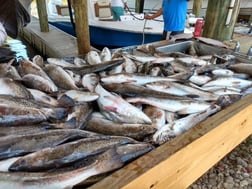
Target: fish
x,y
90,81
137,79
126,153
14,116
18,145
78,117
80,96
178,89
60,77
185,75
103,66
152,59
7,70
99,124
115,70
105,55
117,109
226,100
76,77
155,71
93,57
223,90
245,68
173,105
247,91
13,88
229,82
40,83
108,161
222,73
241,75
199,79
79,61
129,65
127,89
170,116
62,155
25,129
38,60
180,67
179,126
157,116
142,59
21,111
60,62
192,61
28,67
44,98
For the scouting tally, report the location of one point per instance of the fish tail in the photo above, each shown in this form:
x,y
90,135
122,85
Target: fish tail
x,y
66,101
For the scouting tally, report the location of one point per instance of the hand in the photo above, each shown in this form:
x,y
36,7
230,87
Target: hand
x,y
148,17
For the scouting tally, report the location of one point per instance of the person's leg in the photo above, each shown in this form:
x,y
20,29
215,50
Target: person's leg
x,y
117,12
164,35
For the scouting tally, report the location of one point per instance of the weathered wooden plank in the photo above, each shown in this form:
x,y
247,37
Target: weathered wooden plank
x,y
43,19
179,162
81,26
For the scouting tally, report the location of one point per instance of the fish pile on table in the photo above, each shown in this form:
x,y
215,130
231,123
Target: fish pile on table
x,y
72,121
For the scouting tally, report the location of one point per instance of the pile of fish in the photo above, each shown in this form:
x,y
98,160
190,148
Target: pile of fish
x,y
72,121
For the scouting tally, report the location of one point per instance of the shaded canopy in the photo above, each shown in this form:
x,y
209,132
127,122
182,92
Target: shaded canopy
x,y
13,15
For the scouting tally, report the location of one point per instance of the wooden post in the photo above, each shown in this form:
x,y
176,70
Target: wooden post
x,y
42,13
250,19
197,5
139,5
218,25
81,26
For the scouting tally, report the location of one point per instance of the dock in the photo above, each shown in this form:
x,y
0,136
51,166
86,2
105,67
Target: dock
x,y
54,43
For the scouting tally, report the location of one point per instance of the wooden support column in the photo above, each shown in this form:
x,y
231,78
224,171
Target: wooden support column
x,y
250,19
81,26
221,19
139,5
197,5
42,13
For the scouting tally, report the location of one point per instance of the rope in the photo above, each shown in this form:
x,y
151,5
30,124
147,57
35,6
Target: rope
x,y
145,22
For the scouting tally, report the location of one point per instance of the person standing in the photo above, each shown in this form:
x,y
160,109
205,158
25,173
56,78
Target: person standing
x,y
117,8
174,15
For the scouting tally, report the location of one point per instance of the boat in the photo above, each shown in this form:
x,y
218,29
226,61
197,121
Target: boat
x,y
131,30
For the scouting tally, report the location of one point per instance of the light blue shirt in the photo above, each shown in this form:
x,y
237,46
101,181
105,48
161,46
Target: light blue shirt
x,y
174,14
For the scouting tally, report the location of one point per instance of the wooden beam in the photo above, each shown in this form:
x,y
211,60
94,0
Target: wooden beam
x,y
42,13
181,161
217,25
81,26
197,5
